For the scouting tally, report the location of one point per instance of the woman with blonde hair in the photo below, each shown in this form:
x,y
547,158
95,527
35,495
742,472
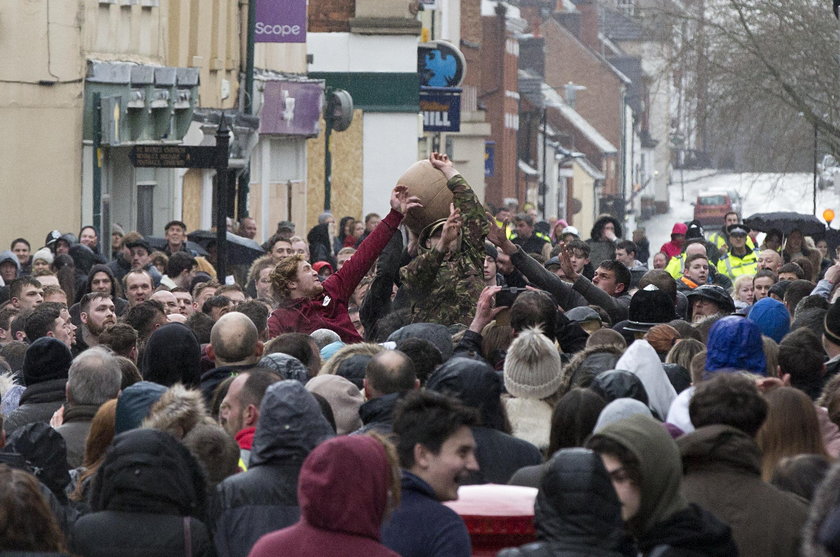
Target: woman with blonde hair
x,y
791,428
743,292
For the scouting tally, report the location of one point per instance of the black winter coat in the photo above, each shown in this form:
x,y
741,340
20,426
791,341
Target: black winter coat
x,y
479,386
691,532
37,404
264,499
577,512
147,493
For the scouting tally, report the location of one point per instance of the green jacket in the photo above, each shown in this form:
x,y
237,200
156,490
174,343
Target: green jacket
x,y
444,287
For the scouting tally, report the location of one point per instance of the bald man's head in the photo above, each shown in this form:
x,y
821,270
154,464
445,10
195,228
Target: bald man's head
x,y
234,340
769,259
389,371
696,247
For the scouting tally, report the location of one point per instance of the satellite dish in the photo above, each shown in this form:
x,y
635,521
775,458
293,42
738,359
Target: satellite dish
x,y
339,110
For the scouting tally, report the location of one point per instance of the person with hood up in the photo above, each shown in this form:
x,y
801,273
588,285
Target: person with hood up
x,y
735,344
320,244
177,412
305,304
101,279
618,410
772,317
340,517
445,280
286,366
605,232
148,498
45,367
9,267
616,384
344,399
479,386
642,360
577,512
592,360
644,465
722,466
675,246
134,405
40,450
263,499
172,355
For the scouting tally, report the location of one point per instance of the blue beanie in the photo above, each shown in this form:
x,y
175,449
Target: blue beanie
x,y
772,317
329,350
735,344
135,403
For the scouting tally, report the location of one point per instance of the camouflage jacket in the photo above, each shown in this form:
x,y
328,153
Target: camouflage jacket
x,y
444,287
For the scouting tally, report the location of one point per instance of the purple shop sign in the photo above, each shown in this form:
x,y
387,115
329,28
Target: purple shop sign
x,y
291,108
280,21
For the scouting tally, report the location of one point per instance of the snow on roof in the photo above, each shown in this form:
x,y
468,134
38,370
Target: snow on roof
x,y
554,100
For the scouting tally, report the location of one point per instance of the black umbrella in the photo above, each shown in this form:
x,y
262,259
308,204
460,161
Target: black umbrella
x,y
240,250
158,243
786,222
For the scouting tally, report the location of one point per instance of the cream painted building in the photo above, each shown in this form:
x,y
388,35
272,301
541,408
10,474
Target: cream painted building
x,y
142,60
86,80
41,84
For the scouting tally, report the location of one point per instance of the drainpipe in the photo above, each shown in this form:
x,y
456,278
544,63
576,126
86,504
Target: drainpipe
x,y
97,175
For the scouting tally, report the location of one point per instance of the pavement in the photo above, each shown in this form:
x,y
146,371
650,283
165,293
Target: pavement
x,y
760,192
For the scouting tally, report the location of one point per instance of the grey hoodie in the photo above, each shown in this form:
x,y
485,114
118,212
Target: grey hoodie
x,y
9,255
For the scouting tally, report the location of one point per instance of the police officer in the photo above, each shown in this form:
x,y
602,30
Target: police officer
x,y
741,260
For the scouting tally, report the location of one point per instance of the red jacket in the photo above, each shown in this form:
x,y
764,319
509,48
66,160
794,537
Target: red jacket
x,y
329,309
672,248
343,495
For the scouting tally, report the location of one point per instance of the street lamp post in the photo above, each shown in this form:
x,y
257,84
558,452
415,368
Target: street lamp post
x,y
816,138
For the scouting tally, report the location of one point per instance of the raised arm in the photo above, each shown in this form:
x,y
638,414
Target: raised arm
x,y
464,199
419,275
344,282
536,274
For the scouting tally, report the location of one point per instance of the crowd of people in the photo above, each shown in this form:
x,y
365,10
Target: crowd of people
x,y
331,398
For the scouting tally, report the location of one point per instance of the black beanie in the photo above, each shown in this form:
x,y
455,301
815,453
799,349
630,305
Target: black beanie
x,y
47,358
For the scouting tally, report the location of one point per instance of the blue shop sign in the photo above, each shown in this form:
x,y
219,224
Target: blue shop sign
x,y
441,108
489,159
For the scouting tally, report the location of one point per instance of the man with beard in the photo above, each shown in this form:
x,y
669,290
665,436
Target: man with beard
x,y
96,312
